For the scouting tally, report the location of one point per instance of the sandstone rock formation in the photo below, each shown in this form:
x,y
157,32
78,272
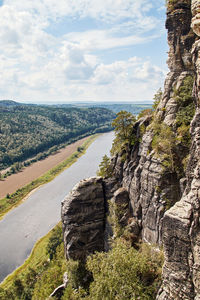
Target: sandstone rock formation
x,y
181,227
143,187
83,217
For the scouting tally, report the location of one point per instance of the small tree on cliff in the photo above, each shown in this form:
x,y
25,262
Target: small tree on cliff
x,y
157,98
105,169
123,127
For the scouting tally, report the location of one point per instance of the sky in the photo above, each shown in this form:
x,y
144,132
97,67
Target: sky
x,y
82,50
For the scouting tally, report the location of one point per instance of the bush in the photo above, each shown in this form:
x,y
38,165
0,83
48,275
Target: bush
x,y
122,273
125,273
186,110
145,112
50,278
80,149
163,144
55,240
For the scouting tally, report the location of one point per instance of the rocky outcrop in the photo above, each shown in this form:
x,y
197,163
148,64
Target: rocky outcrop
x,y
141,189
181,227
150,187
83,218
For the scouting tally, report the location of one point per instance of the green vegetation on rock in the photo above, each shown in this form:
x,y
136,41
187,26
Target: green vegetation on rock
x,y
186,110
157,98
171,143
105,168
163,143
121,273
124,135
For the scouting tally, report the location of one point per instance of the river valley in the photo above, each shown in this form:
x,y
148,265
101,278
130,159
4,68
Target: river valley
x,y
24,225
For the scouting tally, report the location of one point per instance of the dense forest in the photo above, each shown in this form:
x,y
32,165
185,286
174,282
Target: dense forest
x,y
26,130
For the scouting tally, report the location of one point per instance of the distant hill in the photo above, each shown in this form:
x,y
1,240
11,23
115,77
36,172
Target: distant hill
x,y
26,130
134,108
7,103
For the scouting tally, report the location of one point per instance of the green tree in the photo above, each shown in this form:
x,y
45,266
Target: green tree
x,y
54,241
157,98
105,169
123,127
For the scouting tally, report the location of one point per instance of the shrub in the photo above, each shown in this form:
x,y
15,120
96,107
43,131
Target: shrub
x,y
163,144
78,275
122,273
145,112
80,149
125,273
50,278
55,240
186,110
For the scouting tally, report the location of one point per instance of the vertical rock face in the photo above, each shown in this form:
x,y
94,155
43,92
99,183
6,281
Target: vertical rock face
x,y
143,187
150,187
83,218
181,226
180,40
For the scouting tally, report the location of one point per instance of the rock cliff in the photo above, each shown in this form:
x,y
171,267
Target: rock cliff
x,y
181,235
83,217
160,204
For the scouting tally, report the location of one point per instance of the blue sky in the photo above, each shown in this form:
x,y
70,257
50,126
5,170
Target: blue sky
x,y
82,50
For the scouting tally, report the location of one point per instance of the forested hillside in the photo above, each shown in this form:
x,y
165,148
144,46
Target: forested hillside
x,y
26,130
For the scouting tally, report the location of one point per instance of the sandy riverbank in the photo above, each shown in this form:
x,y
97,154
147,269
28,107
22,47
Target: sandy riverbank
x,y
28,174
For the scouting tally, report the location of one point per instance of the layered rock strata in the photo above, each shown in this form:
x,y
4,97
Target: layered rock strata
x,y
83,214
181,224
83,218
143,186
151,187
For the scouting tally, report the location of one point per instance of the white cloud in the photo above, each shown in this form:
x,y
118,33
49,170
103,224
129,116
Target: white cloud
x,y
128,72
103,40
109,10
37,64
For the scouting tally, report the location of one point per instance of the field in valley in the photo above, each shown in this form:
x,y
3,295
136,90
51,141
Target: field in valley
x,y
28,174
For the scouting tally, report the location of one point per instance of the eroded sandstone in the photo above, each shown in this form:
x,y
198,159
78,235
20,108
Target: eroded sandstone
x,y
143,187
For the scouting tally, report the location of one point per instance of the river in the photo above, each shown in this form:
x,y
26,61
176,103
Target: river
x,y
24,225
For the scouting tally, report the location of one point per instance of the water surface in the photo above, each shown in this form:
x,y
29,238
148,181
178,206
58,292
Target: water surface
x,y
24,225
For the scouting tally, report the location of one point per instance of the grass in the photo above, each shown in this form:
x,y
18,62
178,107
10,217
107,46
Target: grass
x,y
34,261
13,200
